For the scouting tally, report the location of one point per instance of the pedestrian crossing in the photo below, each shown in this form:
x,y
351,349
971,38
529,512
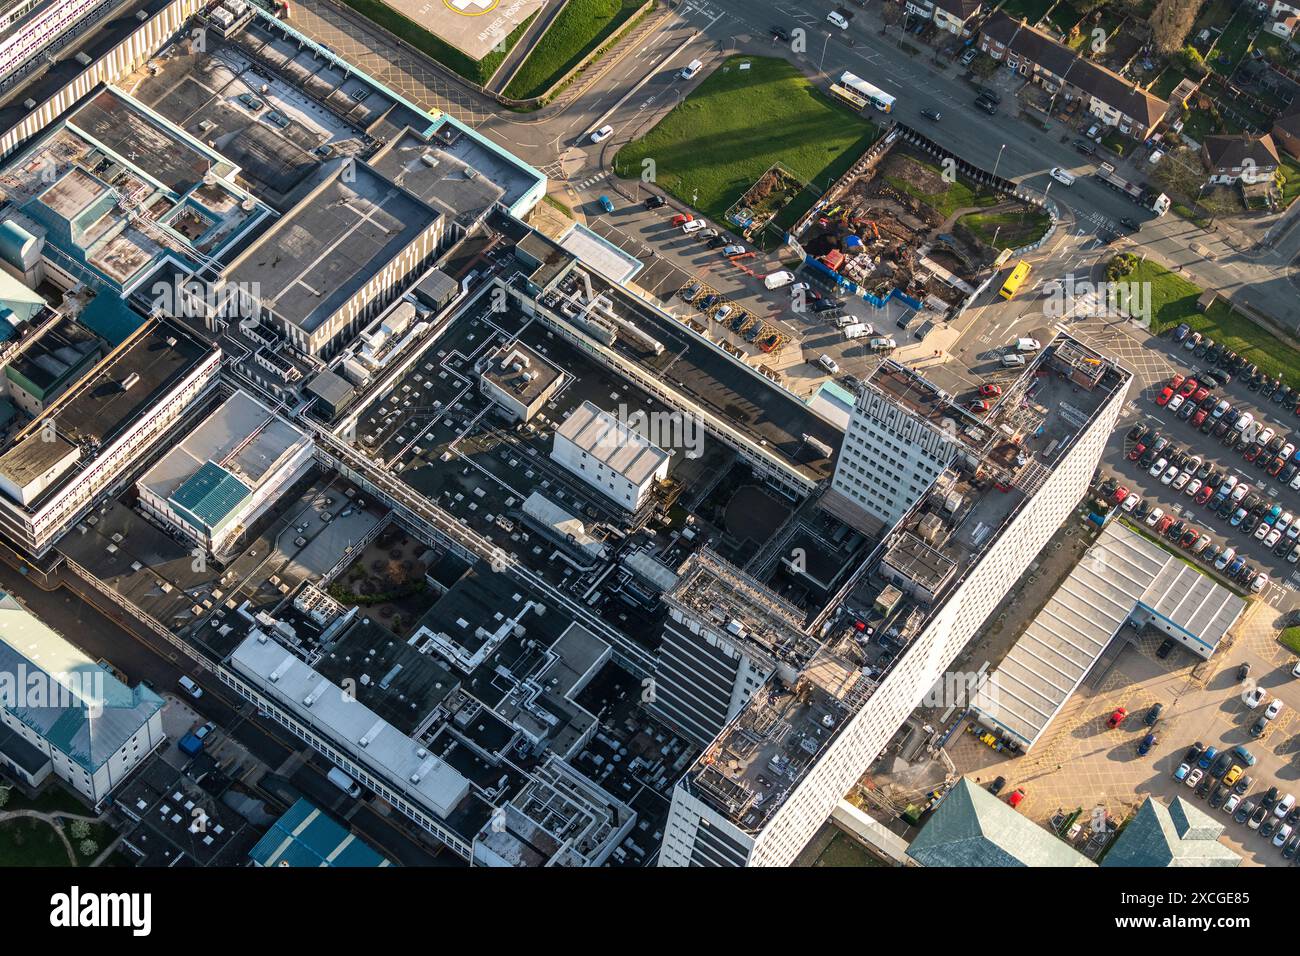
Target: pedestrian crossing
x,y
591,181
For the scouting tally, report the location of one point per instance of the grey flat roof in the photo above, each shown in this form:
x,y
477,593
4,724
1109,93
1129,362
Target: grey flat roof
x,y
33,457
388,752
501,372
333,242
1123,572
243,436
449,184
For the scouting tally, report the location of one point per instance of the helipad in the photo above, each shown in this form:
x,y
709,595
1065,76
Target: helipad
x,y
472,26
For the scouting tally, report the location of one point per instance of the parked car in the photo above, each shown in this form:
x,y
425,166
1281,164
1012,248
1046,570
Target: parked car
x,y
1116,719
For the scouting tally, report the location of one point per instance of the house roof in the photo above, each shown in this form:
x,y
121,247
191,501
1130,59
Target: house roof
x,y
1288,124
1223,152
1177,835
1111,88
961,9
973,828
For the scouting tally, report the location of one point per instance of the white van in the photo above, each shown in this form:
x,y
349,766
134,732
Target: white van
x,y
191,688
774,280
1012,360
343,782
690,69
838,19
858,330
829,364
1062,176
1027,345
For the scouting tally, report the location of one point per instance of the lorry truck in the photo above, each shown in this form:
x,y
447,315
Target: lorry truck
x,y
1144,196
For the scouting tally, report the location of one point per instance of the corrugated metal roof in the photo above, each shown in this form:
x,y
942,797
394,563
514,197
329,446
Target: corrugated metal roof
x,y
1177,835
1123,572
209,495
306,836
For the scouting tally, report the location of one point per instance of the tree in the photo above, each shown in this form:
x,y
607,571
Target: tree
x,y
1171,21
1190,59
1180,174
79,829
891,12
87,847
4,796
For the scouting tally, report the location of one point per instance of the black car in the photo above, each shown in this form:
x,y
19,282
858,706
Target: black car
x,y
1129,224
996,786
1138,432
1194,752
1220,794
1270,798
722,241
1085,147
1203,788
1222,764
1212,356
654,202
1268,826
1258,727
778,33
987,105
825,305
1221,428
1244,783
1162,652
932,115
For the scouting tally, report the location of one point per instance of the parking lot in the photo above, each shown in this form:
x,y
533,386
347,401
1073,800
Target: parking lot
x,y
1082,763
1265,492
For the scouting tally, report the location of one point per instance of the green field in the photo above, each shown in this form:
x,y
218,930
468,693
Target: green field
x,y
476,71
1232,44
30,842
1289,180
582,26
1290,639
1173,300
736,124
1013,229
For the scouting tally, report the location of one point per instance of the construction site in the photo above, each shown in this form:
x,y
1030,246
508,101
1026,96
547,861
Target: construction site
x,y
894,223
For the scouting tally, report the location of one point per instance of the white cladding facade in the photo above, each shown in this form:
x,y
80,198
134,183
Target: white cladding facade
x,y
696,835
889,457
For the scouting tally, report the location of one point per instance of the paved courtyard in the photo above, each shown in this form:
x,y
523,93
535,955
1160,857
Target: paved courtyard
x,y
1080,763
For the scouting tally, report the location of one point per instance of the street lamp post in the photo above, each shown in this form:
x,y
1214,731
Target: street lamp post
x,y
825,43
999,160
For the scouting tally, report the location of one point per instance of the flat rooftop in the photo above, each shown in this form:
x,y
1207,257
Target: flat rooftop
x,y
766,414
331,244
243,436
408,769
446,182
520,372
612,442
1122,573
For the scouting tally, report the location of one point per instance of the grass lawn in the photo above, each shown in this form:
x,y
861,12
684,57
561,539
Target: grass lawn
x,y
1169,78
476,71
582,26
1288,176
736,124
1232,45
958,195
29,842
1173,300
1032,10
1200,124
1290,639
1013,229
51,800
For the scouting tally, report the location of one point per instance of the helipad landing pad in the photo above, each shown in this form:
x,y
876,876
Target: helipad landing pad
x,y
472,26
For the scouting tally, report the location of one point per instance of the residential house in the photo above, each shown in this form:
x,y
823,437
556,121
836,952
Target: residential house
x,y
1239,158
1286,131
953,16
1060,71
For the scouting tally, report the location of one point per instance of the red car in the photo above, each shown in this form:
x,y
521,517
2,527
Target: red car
x,y
1200,395
1163,524
978,406
1275,467
1204,495
990,391
1117,718
1120,495
1137,451
1175,381
1199,417
682,218
1164,396
1189,385
1015,798
1253,451
1189,537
